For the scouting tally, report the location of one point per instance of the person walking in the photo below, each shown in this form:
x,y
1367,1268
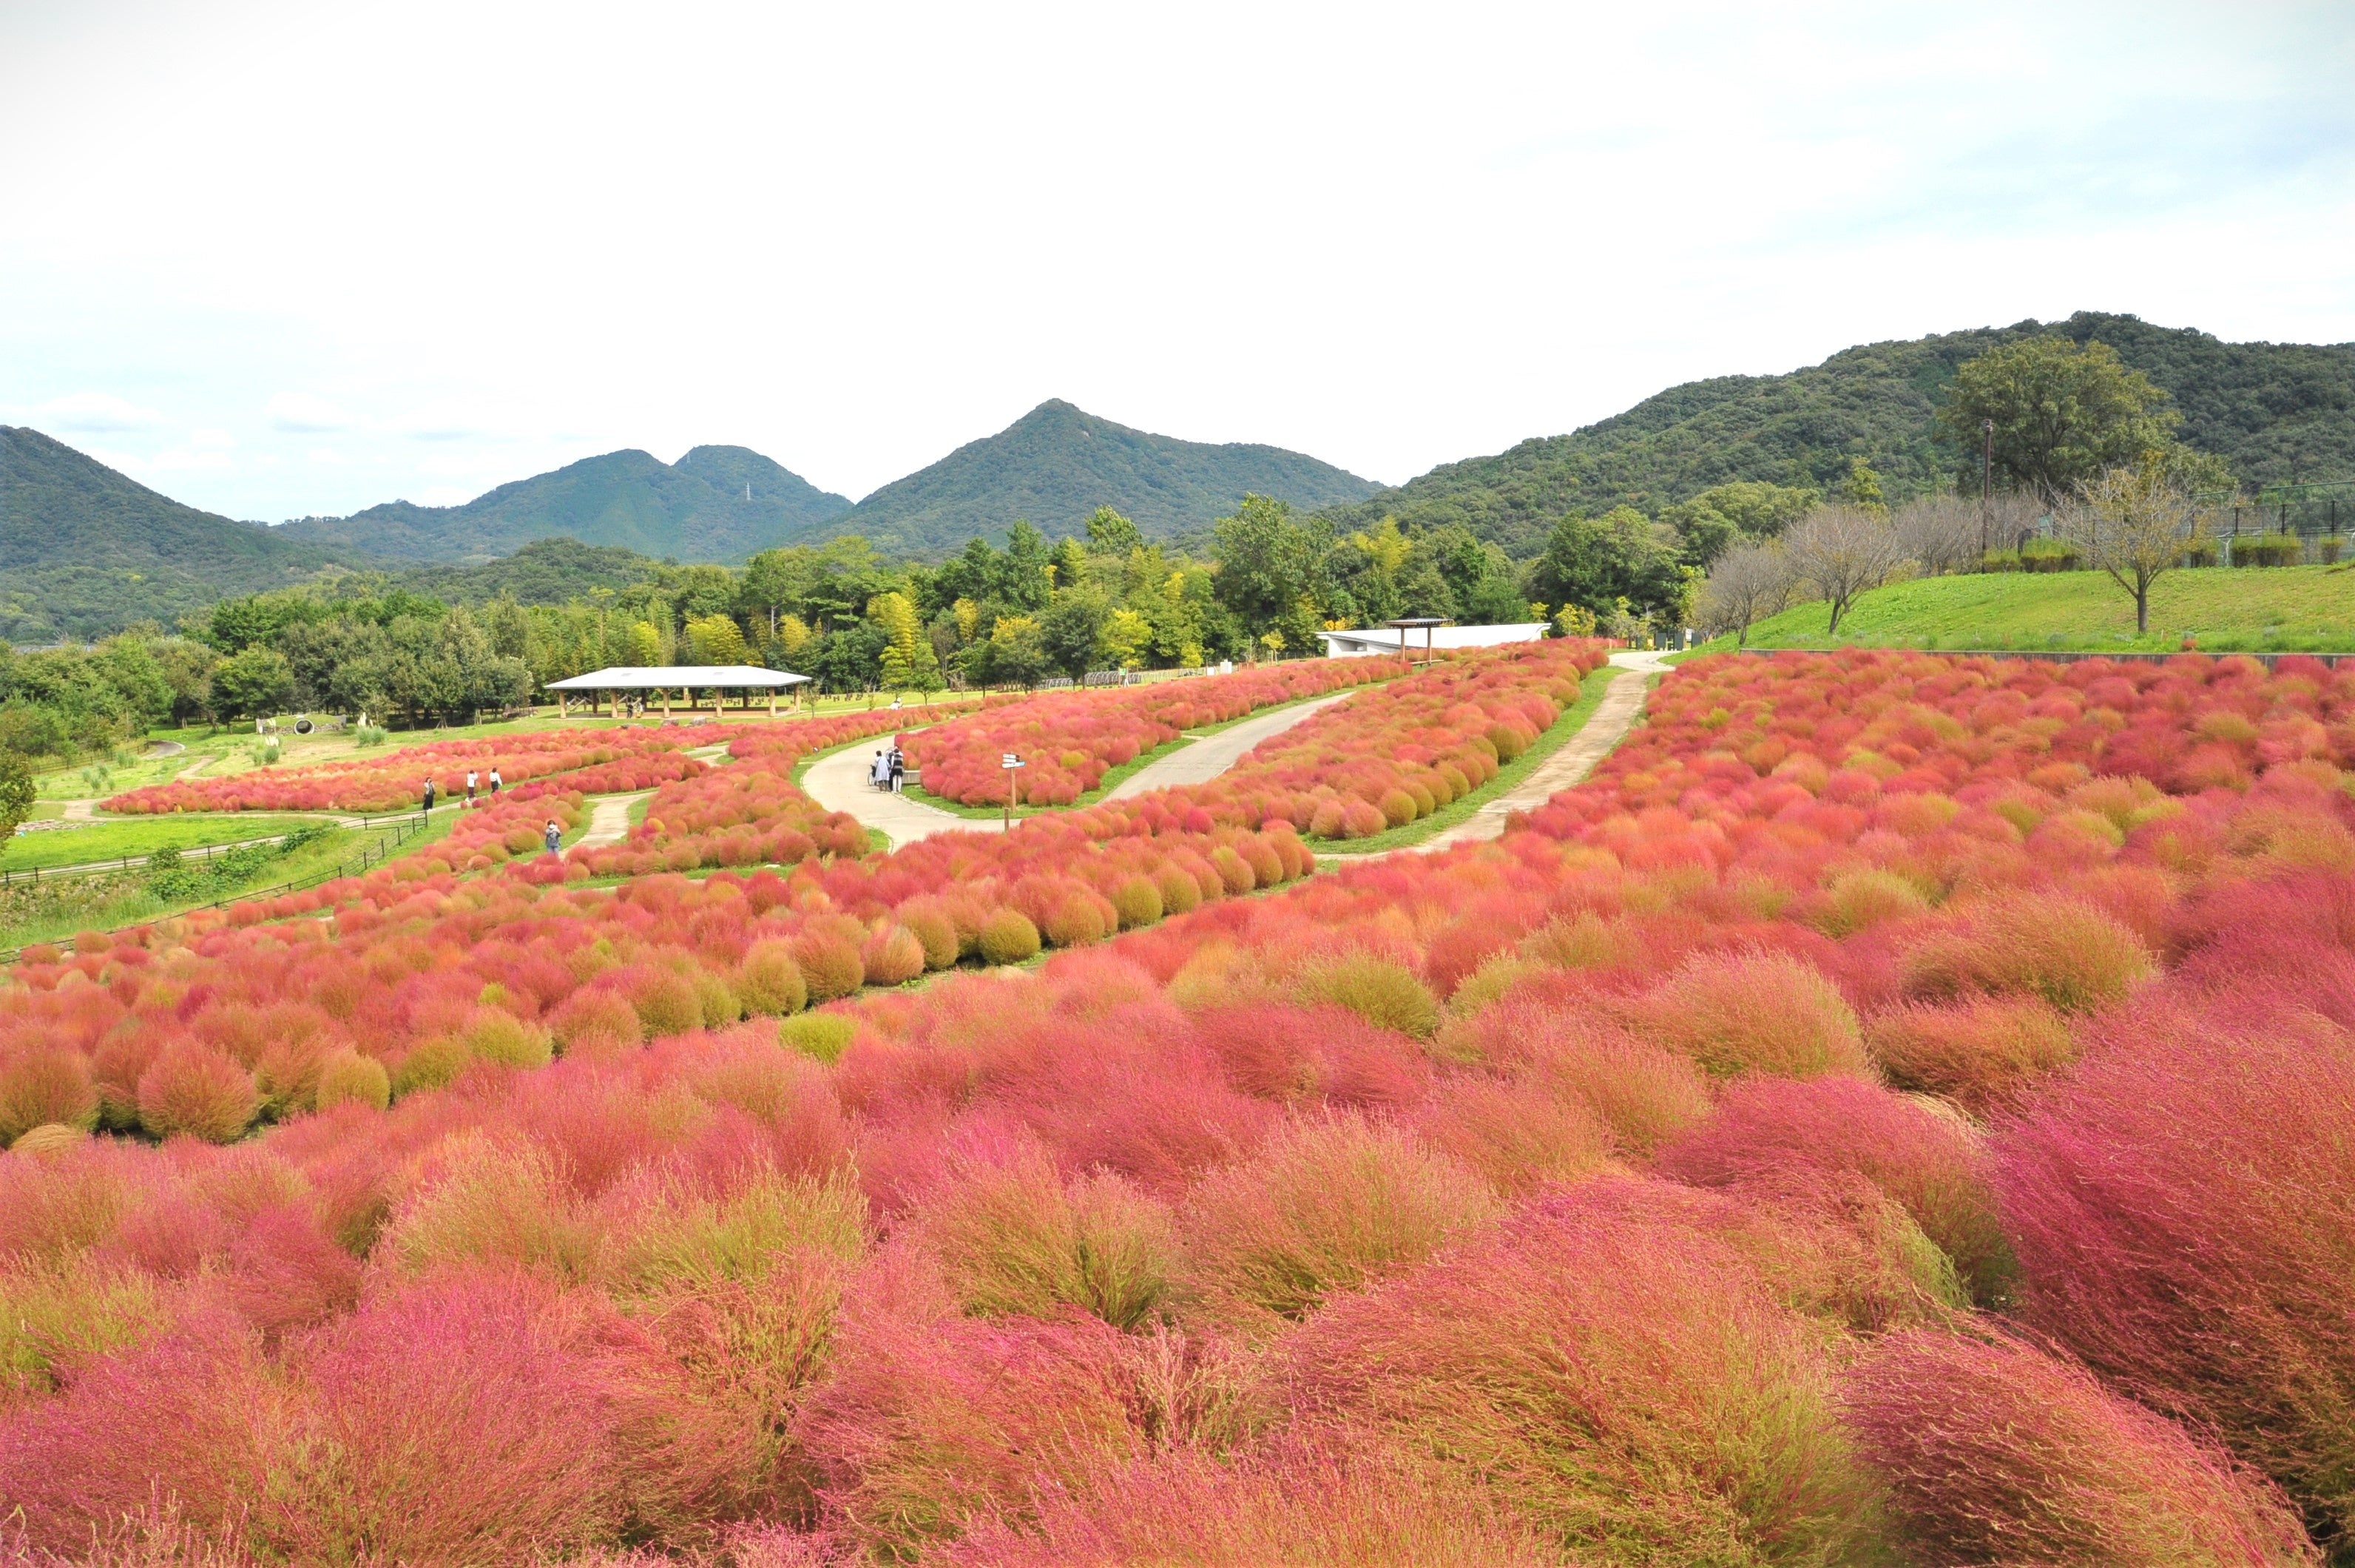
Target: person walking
x,y
899,770
428,795
471,776
555,835
495,781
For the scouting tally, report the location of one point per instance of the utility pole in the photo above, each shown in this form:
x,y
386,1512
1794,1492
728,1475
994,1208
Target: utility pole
x,y
1987,485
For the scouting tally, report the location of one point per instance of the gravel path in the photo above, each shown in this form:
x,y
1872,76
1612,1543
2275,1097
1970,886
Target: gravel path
x,y
609,820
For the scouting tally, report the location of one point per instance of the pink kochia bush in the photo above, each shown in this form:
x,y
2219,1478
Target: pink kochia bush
x,y
1070,739
1605,1193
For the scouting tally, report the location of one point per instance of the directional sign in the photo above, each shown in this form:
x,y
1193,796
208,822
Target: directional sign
x,y
1009,760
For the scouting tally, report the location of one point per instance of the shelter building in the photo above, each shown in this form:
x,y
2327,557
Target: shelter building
x,y
1384,641
687,680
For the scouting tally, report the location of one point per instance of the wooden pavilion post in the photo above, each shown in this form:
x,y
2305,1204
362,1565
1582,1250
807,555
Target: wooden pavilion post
x,y
665,701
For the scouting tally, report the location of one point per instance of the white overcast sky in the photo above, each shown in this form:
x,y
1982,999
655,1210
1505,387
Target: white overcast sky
x,y
281,259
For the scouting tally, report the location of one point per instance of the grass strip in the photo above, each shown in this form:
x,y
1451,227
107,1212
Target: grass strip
x,y
1573,719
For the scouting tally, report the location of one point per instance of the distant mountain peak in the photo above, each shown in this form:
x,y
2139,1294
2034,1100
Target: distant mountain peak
x,y
1057,463
715,503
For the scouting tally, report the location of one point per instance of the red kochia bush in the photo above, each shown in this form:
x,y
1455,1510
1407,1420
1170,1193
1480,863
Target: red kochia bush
x,y
1922,1160
1755,1013
1622,1380
195,1089
2184,1213
1995,1453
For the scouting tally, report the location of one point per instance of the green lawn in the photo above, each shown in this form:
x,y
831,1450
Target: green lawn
x,y
112,838
2291,608
1573,719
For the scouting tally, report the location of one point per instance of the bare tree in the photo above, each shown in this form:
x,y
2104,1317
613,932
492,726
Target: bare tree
x,y
2134,523
1844,551
1745,585
1941,533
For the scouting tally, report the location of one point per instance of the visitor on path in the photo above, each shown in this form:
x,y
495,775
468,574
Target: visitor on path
x,y
899,770
429,796
495,781
555,835
471,776
878,772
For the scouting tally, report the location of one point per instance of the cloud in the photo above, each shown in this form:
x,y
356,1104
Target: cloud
x,y
99,412
300,413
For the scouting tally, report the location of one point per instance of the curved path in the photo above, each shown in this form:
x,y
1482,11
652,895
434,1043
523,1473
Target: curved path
x,y
1604,728
609,818
1211,755
838,781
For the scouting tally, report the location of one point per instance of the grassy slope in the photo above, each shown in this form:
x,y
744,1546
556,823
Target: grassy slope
x,y
2285,609
1573,719
116,836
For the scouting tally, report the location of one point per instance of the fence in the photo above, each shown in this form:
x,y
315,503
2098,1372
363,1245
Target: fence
x,y
2316,515
404,826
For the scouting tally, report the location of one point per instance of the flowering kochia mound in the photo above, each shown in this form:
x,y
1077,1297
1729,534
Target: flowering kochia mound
x,y
1605,1193
1995,1453
1721,1443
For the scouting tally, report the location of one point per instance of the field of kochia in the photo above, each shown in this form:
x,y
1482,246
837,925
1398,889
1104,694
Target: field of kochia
x,y
1897,1112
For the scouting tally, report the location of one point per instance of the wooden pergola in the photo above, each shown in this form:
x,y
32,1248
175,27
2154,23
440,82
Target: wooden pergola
x,y
687,680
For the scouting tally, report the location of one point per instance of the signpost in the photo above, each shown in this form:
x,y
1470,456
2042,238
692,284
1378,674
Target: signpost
x,y
1009,762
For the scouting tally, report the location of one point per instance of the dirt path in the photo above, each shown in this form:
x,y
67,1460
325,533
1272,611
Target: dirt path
x,y
1604,729
838,783
1208,757
609,820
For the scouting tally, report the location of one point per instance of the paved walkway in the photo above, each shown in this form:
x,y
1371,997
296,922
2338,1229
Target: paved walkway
x,y
609,820
838,783
1206,759
1604,728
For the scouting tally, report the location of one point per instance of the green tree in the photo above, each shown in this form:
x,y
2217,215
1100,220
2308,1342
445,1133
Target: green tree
x,y
907,662
1126,638
16,793
1595,563
1073,627
2062,415
1110,534
1016,652
643,644
252,683
716,640
1268,560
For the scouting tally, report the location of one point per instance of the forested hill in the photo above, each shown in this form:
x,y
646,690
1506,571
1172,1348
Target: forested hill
x,y
85,551
2273,411
1055,465
715,504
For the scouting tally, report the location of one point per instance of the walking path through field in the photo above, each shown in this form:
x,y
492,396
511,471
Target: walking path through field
x,y
839,781
1604,728
1206,758
609,818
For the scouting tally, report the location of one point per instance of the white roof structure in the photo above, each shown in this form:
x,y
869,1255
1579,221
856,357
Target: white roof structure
x,y
1368,640
671,677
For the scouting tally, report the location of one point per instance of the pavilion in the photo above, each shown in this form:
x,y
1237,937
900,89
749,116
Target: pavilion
x,y
686,679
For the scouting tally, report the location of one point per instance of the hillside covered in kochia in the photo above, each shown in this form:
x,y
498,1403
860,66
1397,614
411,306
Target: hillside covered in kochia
x,y
2273,411
716,503
85,550
1055,465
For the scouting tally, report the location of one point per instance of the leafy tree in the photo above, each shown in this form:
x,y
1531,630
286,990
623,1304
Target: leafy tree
x,y
1268,560
717,640
906,661
1126,638
1022,581
1594,562
2134,523
1863,488
16,795
252,683
1110,534
1016,652
1072,628
643,644
2063,415
1726,515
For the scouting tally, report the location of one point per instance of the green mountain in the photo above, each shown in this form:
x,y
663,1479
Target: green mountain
x,y
545,571
716,503
2274,411
85,551
1055,465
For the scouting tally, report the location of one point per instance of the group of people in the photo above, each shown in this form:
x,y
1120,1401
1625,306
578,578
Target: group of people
x,y
474,785
890,770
